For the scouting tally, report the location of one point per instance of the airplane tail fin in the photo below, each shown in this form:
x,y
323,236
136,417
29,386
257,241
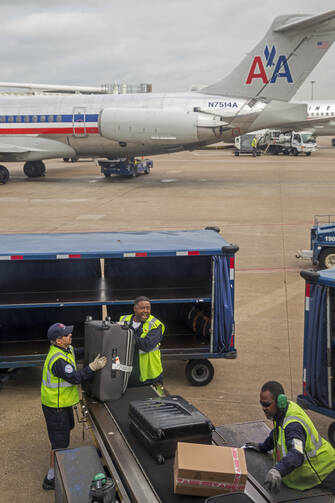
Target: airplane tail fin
x,y
280,63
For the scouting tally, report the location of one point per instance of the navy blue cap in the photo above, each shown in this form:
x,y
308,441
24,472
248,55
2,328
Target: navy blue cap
x,y
58,330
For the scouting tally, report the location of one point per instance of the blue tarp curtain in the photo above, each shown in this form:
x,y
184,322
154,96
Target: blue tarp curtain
x,y
223,309
316,347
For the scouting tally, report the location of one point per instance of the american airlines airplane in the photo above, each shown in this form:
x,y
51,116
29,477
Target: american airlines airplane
x,y
253,96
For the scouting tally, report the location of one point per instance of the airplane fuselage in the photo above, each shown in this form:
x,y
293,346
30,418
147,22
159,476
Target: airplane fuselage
x,y
120,125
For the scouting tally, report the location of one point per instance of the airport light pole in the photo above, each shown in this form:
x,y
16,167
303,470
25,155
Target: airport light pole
x,y
312,89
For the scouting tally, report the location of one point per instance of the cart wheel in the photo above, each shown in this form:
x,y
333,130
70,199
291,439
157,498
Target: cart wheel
x,y
199,372
327,258
160,459
331,434
107,175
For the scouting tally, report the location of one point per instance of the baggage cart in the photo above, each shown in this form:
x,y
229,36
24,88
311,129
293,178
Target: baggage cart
x,y
319,346
45,278
126,168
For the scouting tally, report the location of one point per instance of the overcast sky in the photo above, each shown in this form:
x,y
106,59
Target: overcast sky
x,y
169,43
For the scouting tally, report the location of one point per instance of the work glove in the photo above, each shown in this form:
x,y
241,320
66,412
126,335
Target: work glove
x,y
273,480
250,445
98,363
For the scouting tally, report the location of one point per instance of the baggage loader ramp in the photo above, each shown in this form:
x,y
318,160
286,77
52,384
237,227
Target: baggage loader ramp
x,y
145,480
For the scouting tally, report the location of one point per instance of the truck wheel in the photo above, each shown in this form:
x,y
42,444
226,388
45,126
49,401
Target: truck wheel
x,y
327,258
308,153
295,151
4,174
199,372
236,153
331,434
107,175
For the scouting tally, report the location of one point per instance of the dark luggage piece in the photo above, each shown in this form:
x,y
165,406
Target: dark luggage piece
x,y
197,319
160,424
117,343
229,498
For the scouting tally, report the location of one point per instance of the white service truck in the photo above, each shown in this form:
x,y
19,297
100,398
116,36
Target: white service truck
x,y
274,141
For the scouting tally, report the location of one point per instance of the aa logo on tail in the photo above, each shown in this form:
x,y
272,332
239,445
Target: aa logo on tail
x,y
278,67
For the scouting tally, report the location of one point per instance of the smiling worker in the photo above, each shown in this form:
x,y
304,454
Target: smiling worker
x,y
148,333
59,391
303,458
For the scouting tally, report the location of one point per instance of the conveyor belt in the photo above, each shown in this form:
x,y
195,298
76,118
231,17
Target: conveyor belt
x,y
161,476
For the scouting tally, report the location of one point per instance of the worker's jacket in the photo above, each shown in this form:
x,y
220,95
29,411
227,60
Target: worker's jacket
x,y
56,392
254,142
319,455
149,361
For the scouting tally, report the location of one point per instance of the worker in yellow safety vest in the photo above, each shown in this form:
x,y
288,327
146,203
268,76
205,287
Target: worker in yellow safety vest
x,y
254,146
59,391
148,333
303,459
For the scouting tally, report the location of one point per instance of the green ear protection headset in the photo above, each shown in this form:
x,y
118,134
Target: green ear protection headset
x,y
282,401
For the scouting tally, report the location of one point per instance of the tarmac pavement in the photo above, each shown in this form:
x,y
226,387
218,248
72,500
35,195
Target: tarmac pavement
x,y
265,205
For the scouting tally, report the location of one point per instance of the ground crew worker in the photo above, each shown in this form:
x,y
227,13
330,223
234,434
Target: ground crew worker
x,y
254,146
148,333
59,391
303,459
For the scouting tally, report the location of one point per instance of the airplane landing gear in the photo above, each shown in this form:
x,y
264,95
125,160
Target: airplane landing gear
x,y
4,174
34,169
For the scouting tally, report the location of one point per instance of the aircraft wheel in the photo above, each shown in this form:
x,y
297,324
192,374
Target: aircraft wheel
x,y
199,372
4,174
327,258
34,169
40,167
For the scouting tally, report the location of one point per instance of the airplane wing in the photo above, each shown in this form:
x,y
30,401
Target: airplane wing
x,y
20,147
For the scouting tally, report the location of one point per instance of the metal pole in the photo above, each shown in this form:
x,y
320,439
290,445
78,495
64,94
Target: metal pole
x,y
312,89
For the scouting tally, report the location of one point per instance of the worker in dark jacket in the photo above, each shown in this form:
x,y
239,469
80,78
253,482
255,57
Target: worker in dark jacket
x,y
303,459
59,391
148,333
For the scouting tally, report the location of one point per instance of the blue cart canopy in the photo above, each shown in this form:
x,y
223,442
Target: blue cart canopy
x,y
315,339
110,244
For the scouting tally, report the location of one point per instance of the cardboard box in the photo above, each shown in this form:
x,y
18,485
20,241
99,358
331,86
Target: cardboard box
x,y
208,470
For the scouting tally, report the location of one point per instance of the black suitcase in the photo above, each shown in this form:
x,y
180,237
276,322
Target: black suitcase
x,y
115,341
160,423
229,498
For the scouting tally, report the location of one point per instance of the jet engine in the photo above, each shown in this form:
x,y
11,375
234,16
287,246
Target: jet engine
x,y
153,126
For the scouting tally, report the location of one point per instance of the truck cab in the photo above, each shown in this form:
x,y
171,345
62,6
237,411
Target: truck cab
x,y
322,242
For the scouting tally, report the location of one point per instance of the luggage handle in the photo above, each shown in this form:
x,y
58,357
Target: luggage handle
x,y
114,356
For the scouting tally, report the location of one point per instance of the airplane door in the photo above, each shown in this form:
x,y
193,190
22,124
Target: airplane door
x,y
79,122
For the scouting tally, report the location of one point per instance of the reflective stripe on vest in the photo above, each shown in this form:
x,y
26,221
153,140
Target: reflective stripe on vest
x,y
316,443
48,382
149,361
